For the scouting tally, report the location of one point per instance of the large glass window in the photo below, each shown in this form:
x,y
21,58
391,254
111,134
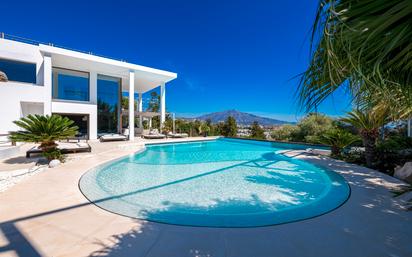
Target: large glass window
x,y
70,85
19,71
108,104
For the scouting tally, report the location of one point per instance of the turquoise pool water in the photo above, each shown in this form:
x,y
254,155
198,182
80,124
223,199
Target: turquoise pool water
x,y
220,183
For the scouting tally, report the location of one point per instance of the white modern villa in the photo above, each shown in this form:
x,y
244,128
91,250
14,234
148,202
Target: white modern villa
x,y
44,79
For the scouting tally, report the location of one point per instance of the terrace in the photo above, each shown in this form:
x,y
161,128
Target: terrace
x,y
49,216
207,196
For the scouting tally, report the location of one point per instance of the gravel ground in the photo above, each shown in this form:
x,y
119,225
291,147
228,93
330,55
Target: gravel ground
x,y
10,178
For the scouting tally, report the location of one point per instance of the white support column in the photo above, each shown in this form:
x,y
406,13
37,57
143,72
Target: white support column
x,y
140,109
409,121
131,105
93,100
93,124
93,87
162,104
47,83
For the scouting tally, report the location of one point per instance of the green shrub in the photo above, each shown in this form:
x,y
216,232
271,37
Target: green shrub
x,y
307,130
53,154
337,139
313,126
354,155
393,151
285,132
395,143
256,131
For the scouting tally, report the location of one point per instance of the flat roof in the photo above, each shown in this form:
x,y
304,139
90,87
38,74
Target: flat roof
x,y
146,78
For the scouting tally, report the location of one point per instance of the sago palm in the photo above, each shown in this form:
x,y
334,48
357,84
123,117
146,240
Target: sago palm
x,y
338,139
368,124
45,130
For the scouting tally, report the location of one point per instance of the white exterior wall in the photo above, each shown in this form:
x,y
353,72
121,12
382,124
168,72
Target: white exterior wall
x,y
31,108
16,96
12,94
17,51
79,108
18,99
47,84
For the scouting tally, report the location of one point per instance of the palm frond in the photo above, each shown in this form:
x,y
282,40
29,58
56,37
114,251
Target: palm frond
x,y
359,44
44,129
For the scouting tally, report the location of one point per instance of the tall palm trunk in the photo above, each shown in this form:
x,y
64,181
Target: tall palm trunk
x,y
335,151
48,145
369,142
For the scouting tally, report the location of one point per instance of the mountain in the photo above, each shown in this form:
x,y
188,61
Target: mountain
x,y
242,118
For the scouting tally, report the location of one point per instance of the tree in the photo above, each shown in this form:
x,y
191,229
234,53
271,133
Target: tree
x,y
204,129
312,126
364,46
45,130
168,125
154,106
220,129
125,103
125,106
230,127
286,132
154,102
338,139
308,129
368,124
212,128
256,131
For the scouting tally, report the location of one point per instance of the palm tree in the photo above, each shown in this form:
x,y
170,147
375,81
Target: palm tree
x,y
368,124
338,139
363,45
45,130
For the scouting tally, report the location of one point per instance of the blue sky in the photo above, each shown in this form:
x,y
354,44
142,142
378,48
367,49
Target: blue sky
x,y
228,54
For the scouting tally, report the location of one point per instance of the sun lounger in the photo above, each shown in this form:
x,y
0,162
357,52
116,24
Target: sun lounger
x,y
177,135
154,134
113,137
64,148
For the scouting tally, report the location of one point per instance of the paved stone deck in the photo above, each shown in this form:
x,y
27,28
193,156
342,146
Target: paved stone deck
x,y
46,215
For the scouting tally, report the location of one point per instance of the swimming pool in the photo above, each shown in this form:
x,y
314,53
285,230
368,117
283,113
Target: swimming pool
x,y
219,183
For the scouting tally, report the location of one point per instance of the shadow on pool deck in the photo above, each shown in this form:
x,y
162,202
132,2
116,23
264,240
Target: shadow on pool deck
x,y
371,223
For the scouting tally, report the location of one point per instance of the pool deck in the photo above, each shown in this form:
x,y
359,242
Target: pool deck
x,y
46,215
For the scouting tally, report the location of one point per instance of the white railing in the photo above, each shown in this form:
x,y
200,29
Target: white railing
x,y
36,42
